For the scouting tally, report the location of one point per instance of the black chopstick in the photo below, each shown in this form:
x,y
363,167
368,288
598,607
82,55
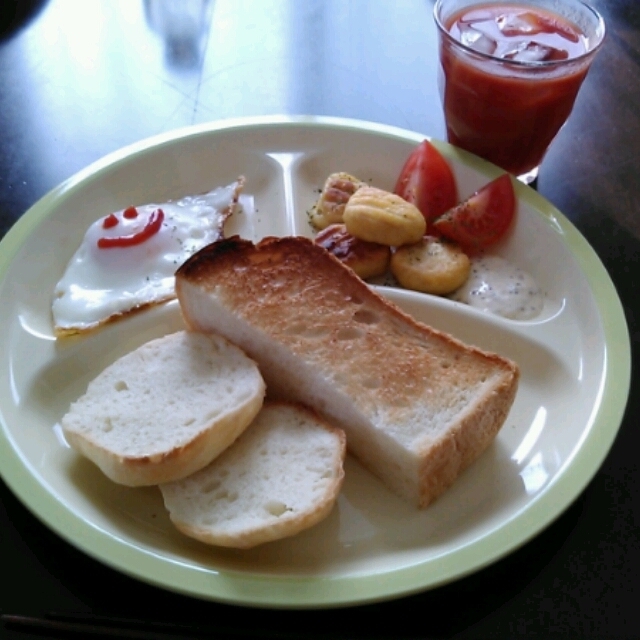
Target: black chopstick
x,y
80,625
96,626
88,625
85,628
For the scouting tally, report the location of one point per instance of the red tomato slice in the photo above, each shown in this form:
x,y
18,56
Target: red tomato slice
x,y
483,218
426,181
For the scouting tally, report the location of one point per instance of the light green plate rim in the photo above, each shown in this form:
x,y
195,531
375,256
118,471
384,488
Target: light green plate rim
x,y
318,592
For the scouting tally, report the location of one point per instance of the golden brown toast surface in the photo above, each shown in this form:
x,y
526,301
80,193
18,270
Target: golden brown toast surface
x,y
429,393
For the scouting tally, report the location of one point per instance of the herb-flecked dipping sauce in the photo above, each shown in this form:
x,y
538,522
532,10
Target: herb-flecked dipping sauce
x,y
497,286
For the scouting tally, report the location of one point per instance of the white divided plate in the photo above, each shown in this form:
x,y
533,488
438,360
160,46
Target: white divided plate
x,y
574,359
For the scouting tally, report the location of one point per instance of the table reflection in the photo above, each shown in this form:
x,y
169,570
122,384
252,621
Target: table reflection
x,y
183,26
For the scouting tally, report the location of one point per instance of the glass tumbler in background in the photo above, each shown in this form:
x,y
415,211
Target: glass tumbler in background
x,y
510,74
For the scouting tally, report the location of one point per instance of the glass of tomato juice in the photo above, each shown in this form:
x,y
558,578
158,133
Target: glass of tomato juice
x,y
510,74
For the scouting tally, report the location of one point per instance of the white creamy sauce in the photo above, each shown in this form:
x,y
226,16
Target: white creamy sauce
x,y
497,286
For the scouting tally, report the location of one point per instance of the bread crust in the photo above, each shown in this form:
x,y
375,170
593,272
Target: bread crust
x,y
212,505
417,404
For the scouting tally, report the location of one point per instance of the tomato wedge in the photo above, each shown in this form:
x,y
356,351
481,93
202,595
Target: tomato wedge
x,y
482,219
426,181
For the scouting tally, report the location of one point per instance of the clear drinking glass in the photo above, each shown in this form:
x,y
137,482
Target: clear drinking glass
x,y
510,74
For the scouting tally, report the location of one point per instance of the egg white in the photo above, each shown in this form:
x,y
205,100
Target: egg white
x,y
101,283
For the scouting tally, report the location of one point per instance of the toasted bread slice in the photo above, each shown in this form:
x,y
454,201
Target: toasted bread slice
x,y
281,476
166,409
417,405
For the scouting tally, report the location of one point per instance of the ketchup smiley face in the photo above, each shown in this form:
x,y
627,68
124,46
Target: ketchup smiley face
x,y
150,228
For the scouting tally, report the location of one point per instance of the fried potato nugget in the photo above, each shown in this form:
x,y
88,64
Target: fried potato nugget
x,y
379,216
431,266
367,259
337,190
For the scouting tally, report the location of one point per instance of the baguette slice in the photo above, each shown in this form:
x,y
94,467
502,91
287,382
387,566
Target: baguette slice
x,y
283,475
417,405
166,409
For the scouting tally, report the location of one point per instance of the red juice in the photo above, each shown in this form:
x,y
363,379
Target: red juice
x,y
512,85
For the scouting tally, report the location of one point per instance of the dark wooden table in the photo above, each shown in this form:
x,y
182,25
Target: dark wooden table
x,y
82,78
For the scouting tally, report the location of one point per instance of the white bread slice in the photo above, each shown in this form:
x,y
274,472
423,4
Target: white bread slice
x,y
281,476
166,409
417,405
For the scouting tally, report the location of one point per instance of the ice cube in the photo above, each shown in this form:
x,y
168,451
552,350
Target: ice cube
x,y
528,23
518,24
477,40
530,51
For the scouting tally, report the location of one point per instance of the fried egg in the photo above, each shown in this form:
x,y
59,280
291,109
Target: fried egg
x,y
127,259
